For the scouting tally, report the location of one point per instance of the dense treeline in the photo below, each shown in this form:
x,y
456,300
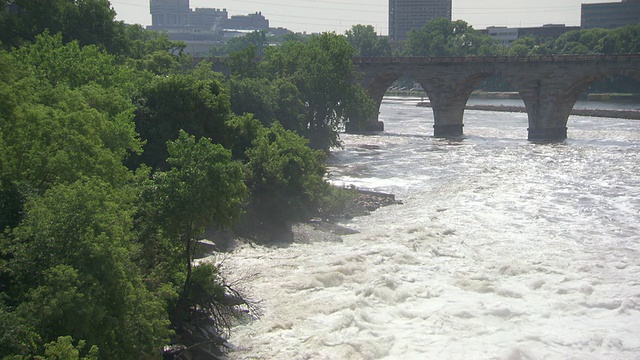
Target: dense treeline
x,y
116,153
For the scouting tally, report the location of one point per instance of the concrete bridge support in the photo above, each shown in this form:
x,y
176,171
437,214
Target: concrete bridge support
x,y
549,97
449,94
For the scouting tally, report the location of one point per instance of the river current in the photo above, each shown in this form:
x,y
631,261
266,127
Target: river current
x,y
501,249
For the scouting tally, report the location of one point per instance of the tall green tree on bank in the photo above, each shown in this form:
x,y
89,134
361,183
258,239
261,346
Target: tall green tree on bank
x,y
203,187
66,265
324,73
286,178
309,87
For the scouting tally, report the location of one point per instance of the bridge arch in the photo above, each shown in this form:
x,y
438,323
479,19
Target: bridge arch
x,y
449,96
549,85
551,92
448,92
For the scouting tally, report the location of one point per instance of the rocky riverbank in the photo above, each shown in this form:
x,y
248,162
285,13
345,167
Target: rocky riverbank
x,y
362,203
608,113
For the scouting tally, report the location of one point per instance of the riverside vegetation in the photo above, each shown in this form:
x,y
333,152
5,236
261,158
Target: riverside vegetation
x,y
116,153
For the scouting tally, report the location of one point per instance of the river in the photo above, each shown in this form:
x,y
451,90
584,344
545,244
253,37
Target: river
x,y
501,249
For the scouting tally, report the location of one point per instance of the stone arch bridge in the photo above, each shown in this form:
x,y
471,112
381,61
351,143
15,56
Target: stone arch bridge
x,y
549,85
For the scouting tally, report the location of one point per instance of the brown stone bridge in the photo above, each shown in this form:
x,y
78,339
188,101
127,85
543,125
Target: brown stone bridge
x,y
549,85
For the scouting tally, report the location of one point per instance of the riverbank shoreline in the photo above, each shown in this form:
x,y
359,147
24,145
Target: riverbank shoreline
x,y
325,229
606,113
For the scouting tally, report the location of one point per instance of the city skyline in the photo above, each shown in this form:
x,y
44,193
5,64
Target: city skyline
x,y
334,15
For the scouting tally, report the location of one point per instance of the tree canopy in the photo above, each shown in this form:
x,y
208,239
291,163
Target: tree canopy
x,y
366,42
309,87
442,37
116,153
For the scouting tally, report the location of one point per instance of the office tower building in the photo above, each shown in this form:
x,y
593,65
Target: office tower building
x,y
406,15
610,15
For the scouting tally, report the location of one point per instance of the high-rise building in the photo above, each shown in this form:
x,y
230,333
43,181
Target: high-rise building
x,y
167,14
201,28
175,15
248,22
208,19
610,15
406,15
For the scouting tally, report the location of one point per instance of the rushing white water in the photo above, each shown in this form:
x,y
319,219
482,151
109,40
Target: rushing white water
x,y
502,249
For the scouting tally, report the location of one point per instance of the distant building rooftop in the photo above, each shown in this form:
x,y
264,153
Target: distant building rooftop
x,y
508,35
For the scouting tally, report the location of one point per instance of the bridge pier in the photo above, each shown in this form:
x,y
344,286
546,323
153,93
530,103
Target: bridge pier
x,y
548,134
448,131
549,100
448,94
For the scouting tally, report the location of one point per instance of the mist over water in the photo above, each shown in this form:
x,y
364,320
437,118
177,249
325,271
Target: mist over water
x,y
502,249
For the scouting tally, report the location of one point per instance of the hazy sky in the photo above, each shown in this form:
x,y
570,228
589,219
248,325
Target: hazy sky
x,y
338,16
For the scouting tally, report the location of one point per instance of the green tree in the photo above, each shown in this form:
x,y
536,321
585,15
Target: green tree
x,y
256,40
203,187
442,37
624,40
253,96
133,42
324,74
73,274
289,105
197,102
243,130
91,22
53,128
285,176
50,59
366,42
244,62
64,349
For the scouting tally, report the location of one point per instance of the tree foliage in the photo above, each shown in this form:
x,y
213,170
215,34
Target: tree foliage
x,y
623,40
366,42
197,102
73,273
90,22
442,37
204,187
116,153
63,117
285,176
324,74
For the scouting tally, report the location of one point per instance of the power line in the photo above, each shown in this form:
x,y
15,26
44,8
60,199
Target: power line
x,y
288,18
486,10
